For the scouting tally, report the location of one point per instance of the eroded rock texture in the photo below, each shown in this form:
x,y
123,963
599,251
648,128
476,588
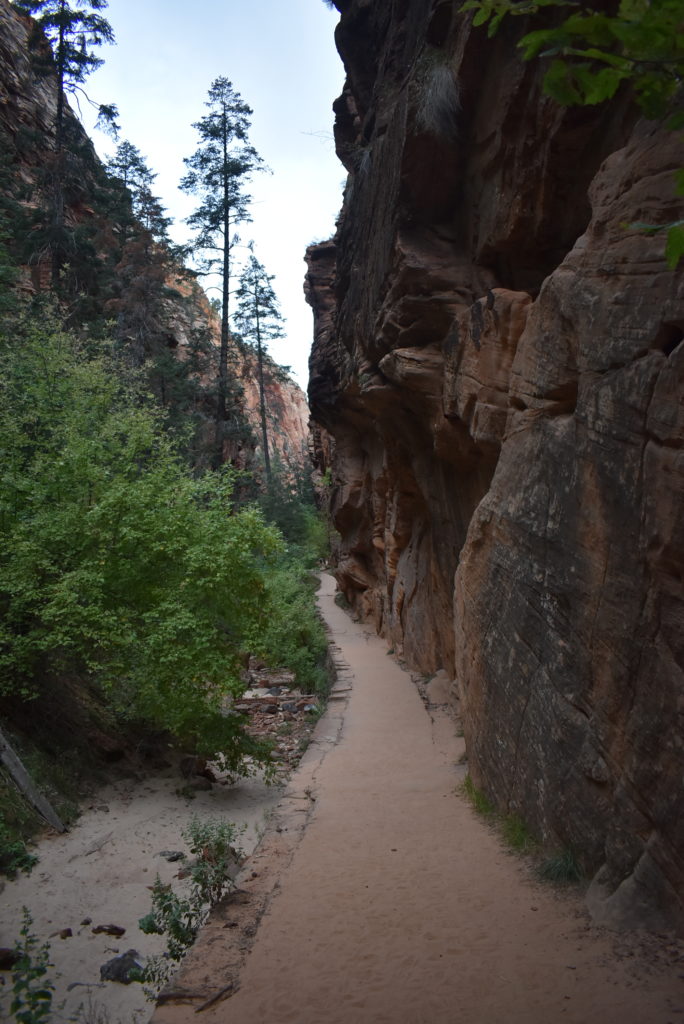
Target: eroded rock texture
x,y
497,382
287,412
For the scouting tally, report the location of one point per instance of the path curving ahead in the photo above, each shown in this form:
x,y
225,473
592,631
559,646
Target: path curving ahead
x,y
395,904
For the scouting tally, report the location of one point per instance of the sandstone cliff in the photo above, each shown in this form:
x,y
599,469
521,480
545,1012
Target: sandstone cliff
x,y
497,382
287,411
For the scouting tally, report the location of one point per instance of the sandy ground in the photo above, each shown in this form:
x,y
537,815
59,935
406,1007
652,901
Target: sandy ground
x,y
101,870
392,903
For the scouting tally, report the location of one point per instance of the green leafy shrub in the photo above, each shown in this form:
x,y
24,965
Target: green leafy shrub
x,y
178,917
288,502
214,844
292,636
14,856
114,559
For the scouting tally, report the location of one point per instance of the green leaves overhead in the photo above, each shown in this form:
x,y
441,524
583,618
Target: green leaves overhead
x,y
593,52
643,42
579,84
72,31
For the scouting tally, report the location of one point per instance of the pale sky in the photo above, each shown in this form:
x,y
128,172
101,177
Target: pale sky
x,y
280,56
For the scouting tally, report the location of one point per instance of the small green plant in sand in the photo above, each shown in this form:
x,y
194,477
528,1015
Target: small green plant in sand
x,y
179,917
32,989
14,856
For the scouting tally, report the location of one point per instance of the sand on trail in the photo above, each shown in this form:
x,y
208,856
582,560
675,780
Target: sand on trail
x,y
398,905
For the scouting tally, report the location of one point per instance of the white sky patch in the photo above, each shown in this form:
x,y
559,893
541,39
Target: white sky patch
x,y
280,56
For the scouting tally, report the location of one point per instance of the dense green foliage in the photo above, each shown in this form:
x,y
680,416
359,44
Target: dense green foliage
x,y
14,856
114,558
600,47
294,636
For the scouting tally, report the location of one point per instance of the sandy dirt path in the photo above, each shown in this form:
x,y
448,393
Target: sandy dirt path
x,y
398,905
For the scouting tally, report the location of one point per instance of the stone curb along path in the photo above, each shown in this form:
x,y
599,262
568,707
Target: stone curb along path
x,y
377,896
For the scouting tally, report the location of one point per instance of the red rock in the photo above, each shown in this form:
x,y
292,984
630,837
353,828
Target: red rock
x,y
497,382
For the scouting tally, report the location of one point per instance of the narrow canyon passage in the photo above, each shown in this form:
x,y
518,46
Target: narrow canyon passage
x,y
400,906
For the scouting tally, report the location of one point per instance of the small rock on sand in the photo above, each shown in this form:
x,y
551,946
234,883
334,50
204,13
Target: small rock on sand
x,y
120,968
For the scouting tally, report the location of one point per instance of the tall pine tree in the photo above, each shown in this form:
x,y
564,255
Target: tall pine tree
x,y
218,172
148,283
258,319
72,32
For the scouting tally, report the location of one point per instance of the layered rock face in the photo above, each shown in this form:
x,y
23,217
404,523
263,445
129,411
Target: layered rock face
x,y
287,412
28,102
497,379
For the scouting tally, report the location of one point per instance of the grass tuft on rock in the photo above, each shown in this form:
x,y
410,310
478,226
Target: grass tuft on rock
x,y
561,868
517,835
478,800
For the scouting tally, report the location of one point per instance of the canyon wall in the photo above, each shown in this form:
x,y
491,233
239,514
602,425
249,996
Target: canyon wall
x,y
496,381
287,412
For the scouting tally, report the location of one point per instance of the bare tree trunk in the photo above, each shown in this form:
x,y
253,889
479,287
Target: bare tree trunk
x,y
25,784
262,399
221,409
